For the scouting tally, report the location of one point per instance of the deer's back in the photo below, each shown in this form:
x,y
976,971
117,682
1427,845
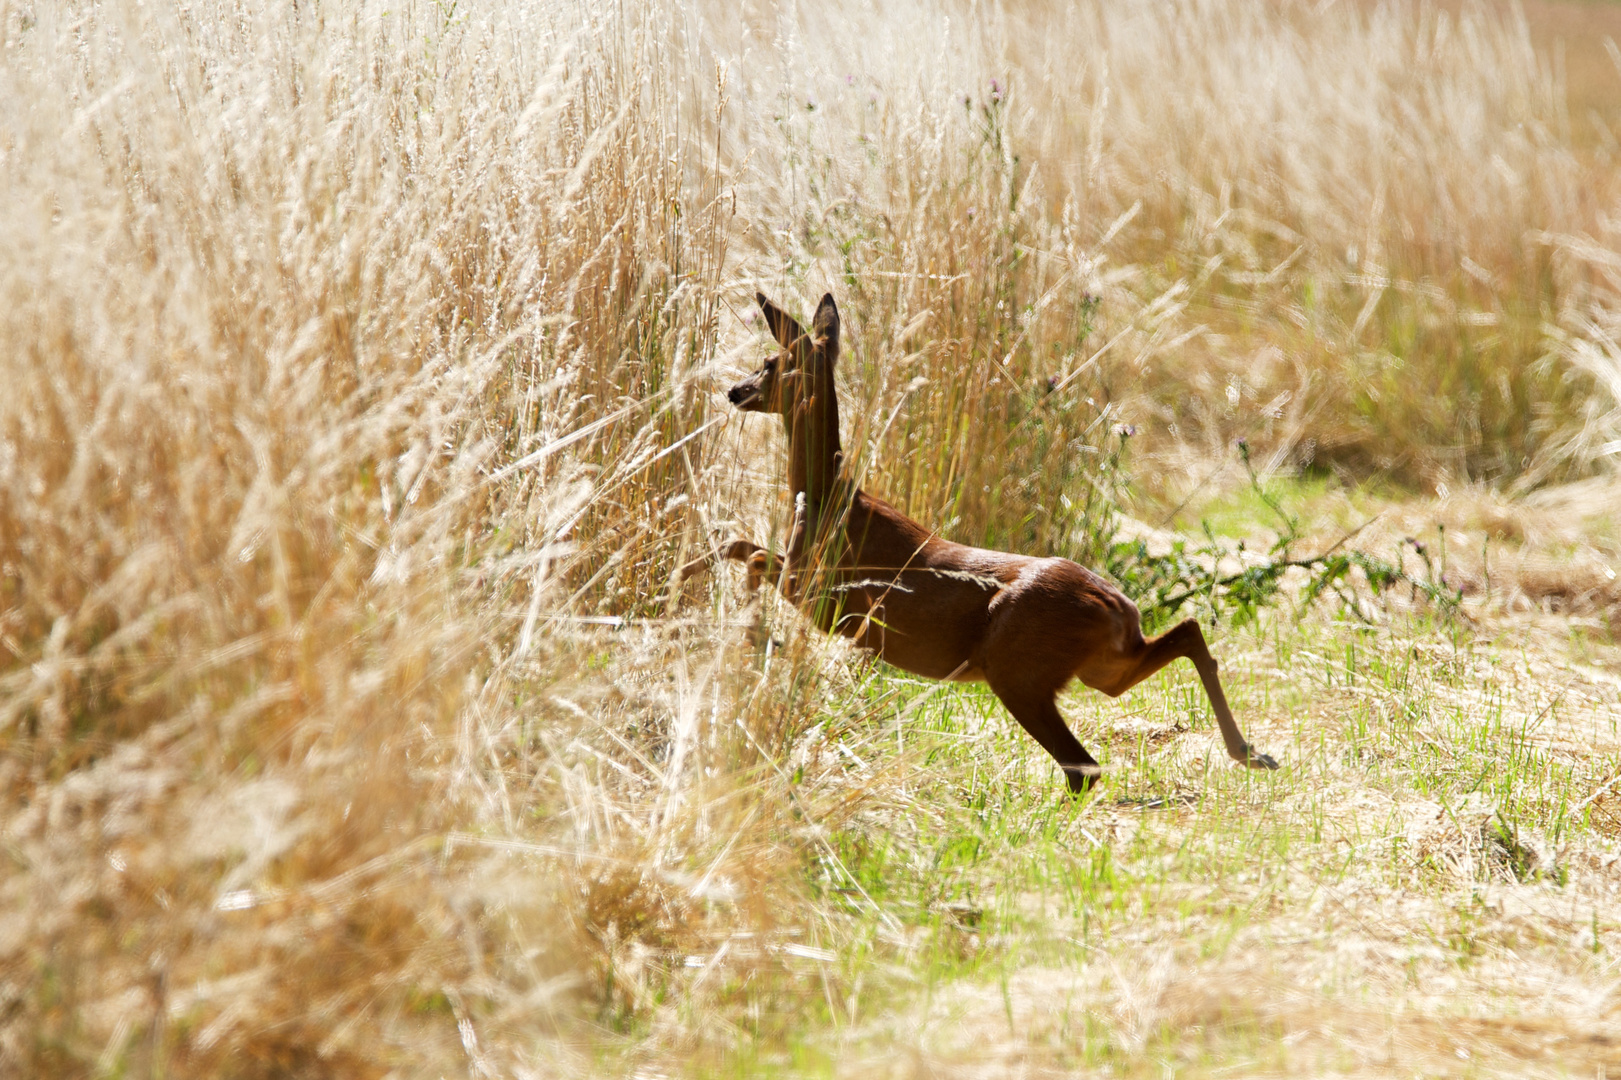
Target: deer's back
x,y
942,605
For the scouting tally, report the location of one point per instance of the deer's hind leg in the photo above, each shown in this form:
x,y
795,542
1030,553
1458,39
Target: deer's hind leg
x,y
1187,640
1036,710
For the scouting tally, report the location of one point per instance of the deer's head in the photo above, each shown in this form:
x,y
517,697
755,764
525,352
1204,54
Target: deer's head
x,y
801,368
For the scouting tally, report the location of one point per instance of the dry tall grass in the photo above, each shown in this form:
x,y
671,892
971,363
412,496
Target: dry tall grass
x,y
1331,203
302,305
358,362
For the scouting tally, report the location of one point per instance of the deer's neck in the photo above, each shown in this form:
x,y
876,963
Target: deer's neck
x,y
814,452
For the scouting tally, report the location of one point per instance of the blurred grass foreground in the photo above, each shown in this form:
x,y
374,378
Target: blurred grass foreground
x,y
358,371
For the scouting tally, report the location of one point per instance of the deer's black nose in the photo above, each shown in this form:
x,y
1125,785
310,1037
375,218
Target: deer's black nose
x,y
735,395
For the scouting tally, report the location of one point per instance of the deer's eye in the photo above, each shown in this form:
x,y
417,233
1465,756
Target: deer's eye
x,y
770,366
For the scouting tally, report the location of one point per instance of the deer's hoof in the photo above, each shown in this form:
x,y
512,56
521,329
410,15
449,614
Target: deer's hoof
x,y
1081,780
1256,760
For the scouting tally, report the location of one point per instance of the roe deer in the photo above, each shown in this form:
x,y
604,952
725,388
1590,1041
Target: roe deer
x,y
861,568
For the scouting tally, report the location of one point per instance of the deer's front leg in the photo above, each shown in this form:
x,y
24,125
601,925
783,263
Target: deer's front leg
x,y
795,565
758,563
761,565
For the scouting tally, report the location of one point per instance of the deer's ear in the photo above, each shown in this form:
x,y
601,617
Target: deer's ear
x,y
783,327
825,327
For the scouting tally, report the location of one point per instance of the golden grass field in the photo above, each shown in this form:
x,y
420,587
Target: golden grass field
x,y
361,371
